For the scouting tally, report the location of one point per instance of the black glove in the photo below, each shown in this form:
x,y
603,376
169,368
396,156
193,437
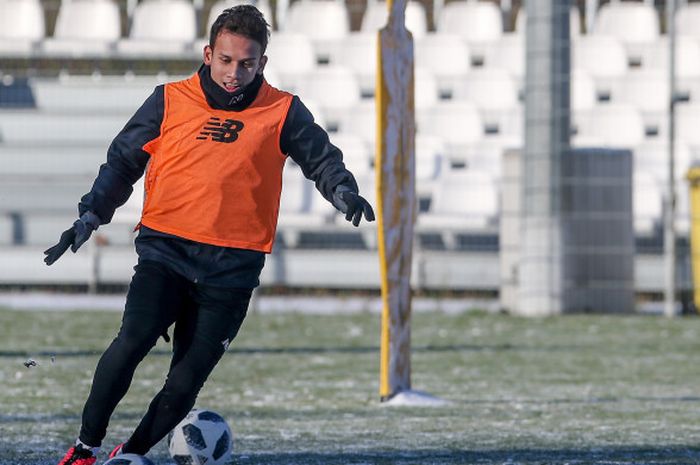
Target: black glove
x,y
73,237
352,204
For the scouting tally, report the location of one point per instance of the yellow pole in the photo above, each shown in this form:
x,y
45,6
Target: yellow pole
x,y
693,177
381,103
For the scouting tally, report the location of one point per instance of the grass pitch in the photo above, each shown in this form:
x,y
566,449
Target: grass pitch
x,y
303,389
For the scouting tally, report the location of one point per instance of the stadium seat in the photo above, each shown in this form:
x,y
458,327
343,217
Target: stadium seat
x,y
221,5
687,20
649,92
473,21
493,91
583,93
446,56
71,159
376,15
218,7
427,91
292,56
429,159
76,129
113,95
176,31
21,26
7,230
361,120
85,28
358,52
509,54
647,202
615,125
458,124
652,157
463,201
632,23
479,24
334,88
357,156
687,63
688,124
325,22
602,57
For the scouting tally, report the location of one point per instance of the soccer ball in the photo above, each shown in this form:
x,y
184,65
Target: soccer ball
x,y
129,459
202,437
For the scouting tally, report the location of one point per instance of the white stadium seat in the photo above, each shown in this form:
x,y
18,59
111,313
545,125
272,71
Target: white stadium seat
x,y
221,5
688,19
688,124
630,22
458,124
20,127
687,63
85,28
334,88
647,203
583,92
509,54
218,8
429,158
479,24
494,92
634,24
175,32
615,125
475,22
652,157
108,94
427,91
21,26
462,200
602,57
325,22
292,56
361,120
446,56
357,156
376,15
649,92
358,52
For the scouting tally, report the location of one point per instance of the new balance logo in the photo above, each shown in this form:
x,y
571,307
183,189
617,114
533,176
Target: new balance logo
x,y
221,131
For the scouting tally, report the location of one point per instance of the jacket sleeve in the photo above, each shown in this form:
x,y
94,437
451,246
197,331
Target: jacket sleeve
x,y
126,160
307,144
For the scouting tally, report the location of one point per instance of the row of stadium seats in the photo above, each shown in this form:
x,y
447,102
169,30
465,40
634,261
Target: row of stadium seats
x,y
460,201
93,27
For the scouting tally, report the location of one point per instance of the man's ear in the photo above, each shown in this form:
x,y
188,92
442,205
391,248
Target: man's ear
x,y
261,65
208,53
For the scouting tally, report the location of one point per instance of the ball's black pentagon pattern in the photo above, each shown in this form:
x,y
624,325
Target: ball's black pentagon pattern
x,y
202,459
193,437
183,459
208,415
222,445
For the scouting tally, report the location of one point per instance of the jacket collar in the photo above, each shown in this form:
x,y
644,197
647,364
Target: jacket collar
x,y
219,99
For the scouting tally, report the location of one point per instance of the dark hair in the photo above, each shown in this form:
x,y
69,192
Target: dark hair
x,y
245,20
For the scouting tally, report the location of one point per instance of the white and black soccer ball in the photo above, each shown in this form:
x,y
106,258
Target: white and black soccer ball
x,y
202,437
129,459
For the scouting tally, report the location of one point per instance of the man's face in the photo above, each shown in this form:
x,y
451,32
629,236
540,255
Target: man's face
x,y
235,60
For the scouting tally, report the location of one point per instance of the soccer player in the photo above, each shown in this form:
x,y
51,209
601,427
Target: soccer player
x,y
213,148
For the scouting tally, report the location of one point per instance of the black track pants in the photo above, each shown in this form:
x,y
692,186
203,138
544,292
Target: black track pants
x,y
206,320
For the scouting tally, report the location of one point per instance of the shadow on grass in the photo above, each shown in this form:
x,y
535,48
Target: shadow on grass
x,y
677,455
316,350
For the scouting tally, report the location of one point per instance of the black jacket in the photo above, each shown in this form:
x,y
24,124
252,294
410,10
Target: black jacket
x,y
301,138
